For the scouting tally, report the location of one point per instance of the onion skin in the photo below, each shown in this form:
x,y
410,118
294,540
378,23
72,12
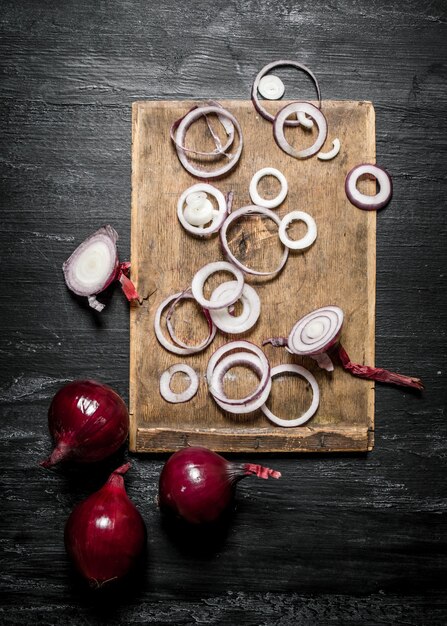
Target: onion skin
x,y
197,484
88,421
105,534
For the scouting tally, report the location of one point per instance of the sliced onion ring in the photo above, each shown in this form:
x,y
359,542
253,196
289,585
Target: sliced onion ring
x,y
249,210
241,347
271,87
165,380
361,200
309,237
300,371
231,324
254,90
205,272
280,122
274,202
316,332
331,154
168,345
217,219
180,134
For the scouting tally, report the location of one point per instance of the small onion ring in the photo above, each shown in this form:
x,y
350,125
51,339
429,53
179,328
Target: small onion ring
x,y
271,87
361,200
254,90
309,237
280,122
331,154
316,332
249,210
162,339
165,380
300,371
274,202
205,272
180,134
217,220
228,323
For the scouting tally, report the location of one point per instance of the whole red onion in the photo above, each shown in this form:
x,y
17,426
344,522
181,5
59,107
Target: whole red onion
x,y
88,422
105,534
198,485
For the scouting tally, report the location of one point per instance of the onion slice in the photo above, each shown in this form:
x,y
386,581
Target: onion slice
x,y
205,272
309,237
331,154
265,70
94,265
305,417
253,190
228,322
178,349
244,211
217,217
280,122
271,87
361,200
178,133
165,383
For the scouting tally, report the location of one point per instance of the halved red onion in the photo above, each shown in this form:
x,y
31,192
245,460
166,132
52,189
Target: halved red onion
x,y
235,215
204,273
182,126
94,265
361,200
273,202
280,122
179,349
303,242
305,417
216,217
265,70
226,321
165,383
331,154
241,348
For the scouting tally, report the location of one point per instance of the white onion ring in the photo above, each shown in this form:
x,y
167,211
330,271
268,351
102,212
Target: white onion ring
x,y
271,87
250,403
306,122
331,154
274,202
361,200
316,332
309,237
180,134
168,345
254,90
250,313
205,272
165,380
217,219
280,122
249,210
300,371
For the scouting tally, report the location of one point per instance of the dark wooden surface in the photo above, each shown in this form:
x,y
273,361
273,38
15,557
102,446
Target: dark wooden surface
x,y
340,539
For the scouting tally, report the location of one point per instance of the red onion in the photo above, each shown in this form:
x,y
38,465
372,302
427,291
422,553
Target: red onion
x,y
94,265
198,485
105,534
361,200
88,422
317,334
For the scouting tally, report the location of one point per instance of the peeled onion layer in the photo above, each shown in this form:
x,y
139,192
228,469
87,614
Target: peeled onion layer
x,y
94,265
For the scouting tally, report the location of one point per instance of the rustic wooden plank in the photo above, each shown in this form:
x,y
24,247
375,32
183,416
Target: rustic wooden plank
x,y
338,269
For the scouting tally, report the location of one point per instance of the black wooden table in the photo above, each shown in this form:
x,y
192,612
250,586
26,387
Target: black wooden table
x,y
340,539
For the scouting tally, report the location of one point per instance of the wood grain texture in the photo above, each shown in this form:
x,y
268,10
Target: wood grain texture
x,y
338,269
346,539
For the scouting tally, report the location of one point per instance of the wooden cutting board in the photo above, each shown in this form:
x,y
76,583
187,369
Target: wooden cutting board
x,y
338,269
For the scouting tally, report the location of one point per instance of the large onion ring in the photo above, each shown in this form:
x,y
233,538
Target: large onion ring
x,y
280,122
254,90
361,200
217,220
165,380
300,371
249,210
205,272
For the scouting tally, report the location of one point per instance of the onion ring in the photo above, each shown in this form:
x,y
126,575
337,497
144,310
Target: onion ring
x,y
331,154
249,210
280,122
361,200
165,380
205,272
274,202
218,217
309,237
231,324
300,371
271,87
